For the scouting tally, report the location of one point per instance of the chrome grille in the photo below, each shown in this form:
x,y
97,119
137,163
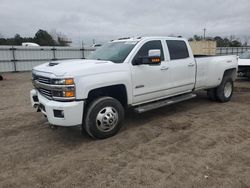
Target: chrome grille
x,y
45,92
42,79
45,80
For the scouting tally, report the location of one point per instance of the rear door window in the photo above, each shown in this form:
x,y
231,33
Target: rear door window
x,y
177,49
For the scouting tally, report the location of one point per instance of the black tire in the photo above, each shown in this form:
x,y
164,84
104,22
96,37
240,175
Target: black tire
x,y
1,77
221,94
211,94
106,107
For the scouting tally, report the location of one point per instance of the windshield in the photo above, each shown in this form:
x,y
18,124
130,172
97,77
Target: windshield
x,y
245,55
113,51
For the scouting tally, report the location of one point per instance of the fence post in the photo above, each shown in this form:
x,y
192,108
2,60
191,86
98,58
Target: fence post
x,y
54,53
82,49
14,58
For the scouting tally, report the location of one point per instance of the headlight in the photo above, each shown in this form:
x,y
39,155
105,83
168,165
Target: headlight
x,y
64,93
65,81
65,89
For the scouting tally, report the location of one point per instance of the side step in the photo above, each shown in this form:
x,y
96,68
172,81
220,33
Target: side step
x,y
166,102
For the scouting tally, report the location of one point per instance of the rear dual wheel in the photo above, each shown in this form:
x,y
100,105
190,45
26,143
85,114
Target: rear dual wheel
x,y
223,92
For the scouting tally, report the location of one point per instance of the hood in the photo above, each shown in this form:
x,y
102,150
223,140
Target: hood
x,y
244,62
77,67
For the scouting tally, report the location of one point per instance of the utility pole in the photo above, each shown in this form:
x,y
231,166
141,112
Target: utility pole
x,y
204,33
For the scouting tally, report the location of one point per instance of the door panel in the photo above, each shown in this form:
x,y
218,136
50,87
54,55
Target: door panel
x,y
182,75
182,67
149,81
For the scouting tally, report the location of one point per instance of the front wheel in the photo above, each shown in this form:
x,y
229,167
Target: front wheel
x,y
104,117
224,91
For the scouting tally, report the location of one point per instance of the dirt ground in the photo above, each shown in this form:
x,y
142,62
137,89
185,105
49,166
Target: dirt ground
x,y
197,143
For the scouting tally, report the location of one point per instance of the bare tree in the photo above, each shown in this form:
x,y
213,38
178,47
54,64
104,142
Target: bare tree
x,y
60,38
246,40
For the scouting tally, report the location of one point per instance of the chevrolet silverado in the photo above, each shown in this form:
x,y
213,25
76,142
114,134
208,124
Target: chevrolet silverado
x,y
138,73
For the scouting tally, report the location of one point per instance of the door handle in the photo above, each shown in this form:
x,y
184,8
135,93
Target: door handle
x,y
164,68
191,65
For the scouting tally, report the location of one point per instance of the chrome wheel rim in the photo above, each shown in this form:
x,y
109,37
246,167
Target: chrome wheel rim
x,y
107,119
228,89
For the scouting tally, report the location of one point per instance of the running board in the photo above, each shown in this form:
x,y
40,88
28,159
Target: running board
x,y
166,102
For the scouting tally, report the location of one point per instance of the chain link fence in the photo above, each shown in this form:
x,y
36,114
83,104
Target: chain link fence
x,y
231,50
20,58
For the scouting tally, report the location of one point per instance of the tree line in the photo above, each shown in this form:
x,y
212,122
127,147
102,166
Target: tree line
x,y
42,37
231,41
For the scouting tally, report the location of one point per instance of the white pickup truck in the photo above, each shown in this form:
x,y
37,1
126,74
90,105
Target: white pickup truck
x,y
140,73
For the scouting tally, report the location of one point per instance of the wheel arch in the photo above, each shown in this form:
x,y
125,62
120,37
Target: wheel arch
x,y
118,91
230,73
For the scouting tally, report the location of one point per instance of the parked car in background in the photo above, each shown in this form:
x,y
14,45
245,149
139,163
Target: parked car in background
x,y
244,64
138,73
31,44
96,45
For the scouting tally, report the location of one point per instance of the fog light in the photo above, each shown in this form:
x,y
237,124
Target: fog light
x,y
35,98
59,113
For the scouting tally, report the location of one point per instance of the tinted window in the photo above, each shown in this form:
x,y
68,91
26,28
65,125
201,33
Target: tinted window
x,y
151,45
177,49
113,51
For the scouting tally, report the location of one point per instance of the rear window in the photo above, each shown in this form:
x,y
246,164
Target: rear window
x,y
177,49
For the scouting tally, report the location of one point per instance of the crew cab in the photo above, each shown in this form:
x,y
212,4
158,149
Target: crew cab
x,y
138,73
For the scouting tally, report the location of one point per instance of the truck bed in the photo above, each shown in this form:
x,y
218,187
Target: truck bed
x,y
210,69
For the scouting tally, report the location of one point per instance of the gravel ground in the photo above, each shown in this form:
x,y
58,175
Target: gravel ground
x,y
197,143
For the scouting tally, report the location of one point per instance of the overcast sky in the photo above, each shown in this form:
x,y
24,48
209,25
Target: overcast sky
x,y
109,19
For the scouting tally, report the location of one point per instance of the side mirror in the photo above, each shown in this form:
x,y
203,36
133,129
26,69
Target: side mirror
x,y
153,58
154,53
